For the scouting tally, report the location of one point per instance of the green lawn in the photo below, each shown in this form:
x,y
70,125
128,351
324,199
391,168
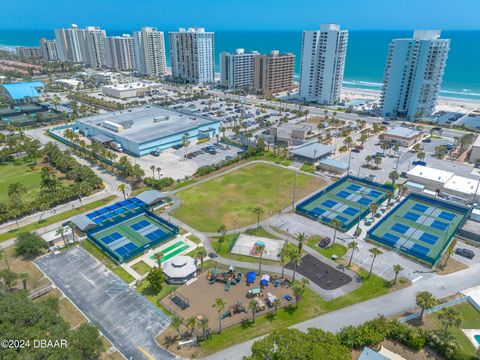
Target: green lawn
x,y
470,320
335,249
231,198
141,268
310,306
105,260
22,173
56,218
155,298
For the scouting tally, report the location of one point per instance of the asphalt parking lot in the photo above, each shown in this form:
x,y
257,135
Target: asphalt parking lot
x,y
200,155
127,319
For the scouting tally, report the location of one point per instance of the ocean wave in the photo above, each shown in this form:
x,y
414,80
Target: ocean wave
x,y
468,92
364,83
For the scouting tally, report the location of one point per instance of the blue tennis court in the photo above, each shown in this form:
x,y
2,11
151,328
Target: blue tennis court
x,y
400,228
351,211
343,194
112,211
411,216
425,226
364,201
354,187
342,219
419,207
329,203
440,225
374,193
317,211
140,225
155,235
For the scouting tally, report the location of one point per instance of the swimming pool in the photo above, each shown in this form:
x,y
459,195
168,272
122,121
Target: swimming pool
x,y
477,338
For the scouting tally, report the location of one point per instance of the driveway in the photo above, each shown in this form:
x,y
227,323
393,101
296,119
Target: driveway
x,y
125,317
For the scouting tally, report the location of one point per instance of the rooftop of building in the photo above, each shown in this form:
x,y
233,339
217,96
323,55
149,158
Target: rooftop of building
x,y
462,184
179,267
402,131
312,150
21,90
132,86
430,173
293,127
477,142
147,123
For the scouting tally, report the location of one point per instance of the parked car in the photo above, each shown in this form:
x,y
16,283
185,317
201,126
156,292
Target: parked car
x,y
385,123
466,253
418,162
427,140
355,150
155,153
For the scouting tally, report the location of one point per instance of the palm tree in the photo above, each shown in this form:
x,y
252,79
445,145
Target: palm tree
x,y
191,323
284,257
153,168
450,251
374,252
177,322
377,161
275,304
301,237
421,155
158,171
260,248
15,192
449,317
201,253
61,232
121,188
259,212
368,159
393,176
158,256
219,304
296,259
336,225
3,254
222,229
353,246
389,197
203,323
373,209
396,269
425,300
253,306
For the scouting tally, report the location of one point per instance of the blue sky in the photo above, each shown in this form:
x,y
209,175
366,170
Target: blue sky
x,y
241,15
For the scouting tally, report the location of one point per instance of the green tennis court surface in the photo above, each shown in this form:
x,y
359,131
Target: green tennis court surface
x,y
420,226
171,251
348,200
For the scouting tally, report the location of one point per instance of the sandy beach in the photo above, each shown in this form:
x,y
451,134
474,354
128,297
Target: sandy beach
x,y
443,103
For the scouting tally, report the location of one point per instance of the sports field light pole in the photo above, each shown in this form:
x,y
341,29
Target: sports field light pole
x,y
294,189
349,159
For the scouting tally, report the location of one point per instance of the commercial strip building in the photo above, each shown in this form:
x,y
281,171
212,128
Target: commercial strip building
x,y
323,63
192,55
236,69
273,73
22,92
142,130
440,182
286,133
48,49
311,152
413,75
130,90
149,46
403,136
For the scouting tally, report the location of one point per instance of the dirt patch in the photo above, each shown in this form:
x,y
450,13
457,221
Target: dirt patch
x,y
452,266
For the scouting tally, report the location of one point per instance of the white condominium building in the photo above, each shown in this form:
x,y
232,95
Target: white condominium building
x,y
149,46
71,44
120,52
95,47
49,49
192,55
323,63
236,70
413,75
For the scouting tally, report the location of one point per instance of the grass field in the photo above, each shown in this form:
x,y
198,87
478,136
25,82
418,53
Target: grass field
x,y
230,199
56,218
141,268
470,320
335,249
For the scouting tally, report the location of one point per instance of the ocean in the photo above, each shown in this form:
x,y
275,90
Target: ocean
x,y
366,54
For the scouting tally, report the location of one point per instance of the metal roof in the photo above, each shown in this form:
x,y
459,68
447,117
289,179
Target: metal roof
x,y
102,138
402,131
312,150
83,222
334,163
179,267
21,90
150,197
147,123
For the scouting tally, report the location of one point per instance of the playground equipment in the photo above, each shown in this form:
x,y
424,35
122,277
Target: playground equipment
x,y
181,301
264,280
254,292
228,277
235,309
251,276
271,299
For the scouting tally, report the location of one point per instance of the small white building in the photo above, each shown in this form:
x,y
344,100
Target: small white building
x,y
129,90
179,270
403,136
54,238
431,178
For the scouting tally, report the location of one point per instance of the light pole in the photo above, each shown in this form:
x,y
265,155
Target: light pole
x,y
349,159
294,189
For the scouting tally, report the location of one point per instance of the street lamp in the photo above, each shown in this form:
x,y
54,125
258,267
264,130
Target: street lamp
x,y
294,189
349,159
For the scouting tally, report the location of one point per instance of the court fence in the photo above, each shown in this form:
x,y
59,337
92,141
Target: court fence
x,y
120,259
432,261
300,208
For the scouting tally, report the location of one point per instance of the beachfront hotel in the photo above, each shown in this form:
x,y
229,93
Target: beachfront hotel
x,y
323,63
149,47
192,55
236,69
273,73
413,75
49,49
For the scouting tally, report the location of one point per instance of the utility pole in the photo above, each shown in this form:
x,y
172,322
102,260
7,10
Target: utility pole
x,y
294,189
349,159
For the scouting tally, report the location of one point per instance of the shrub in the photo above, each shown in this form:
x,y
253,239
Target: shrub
x,y
358,232
412,337
159,184
368,334
29,245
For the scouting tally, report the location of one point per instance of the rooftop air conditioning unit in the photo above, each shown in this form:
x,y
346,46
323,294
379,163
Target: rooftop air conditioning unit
x,y
160,118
